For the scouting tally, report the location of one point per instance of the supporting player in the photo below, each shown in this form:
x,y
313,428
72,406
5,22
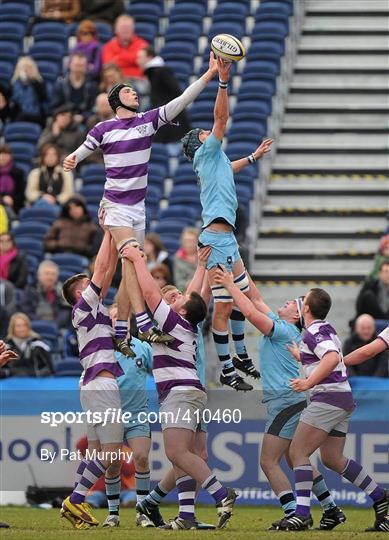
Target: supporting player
x,y
126,145
324,423
180,392
219,204
99,388
284,405
137,434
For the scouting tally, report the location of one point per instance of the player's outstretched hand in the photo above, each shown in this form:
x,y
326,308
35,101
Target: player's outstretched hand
x,y
222,277
263,148
69,162
299,385
224,68
6,356
132,253
203,255
212,66
294,350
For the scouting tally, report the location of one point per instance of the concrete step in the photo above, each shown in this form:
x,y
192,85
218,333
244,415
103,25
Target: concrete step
x,y
340,80
342,162
346,120
297,266
350,60
347,100
329,185
339,109
352,23
339,140
330,225
347,6
316,246
343,43
310,254
363,203
318,273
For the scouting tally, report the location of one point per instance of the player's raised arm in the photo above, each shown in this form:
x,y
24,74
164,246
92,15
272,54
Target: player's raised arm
x,y
365,353
90,144
178,104
150,290
196,283
102,261
221,110
258,319
262,149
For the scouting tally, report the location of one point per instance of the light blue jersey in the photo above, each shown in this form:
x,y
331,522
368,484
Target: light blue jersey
x,y
277,364
132,384
218,193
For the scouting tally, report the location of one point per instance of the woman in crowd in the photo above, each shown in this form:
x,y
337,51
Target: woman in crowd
x,y
34,357
49,182
13,264
156,252
88,44
74,231
29,95
11,181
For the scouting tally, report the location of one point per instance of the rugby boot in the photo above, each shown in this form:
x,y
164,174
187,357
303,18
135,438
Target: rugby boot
x,y
225,507
331,518
236,382
246,366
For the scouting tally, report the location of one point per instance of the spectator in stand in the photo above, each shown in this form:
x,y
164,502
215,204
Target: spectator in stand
x,y
44,300
123,49
4,321
62,131
73,232
161,275
374,296
77,88
88,45
364,333
156,252
11,180
29,97
163,88
13,264
101,10
111,74
34,357
6,109
185,259
382,255
7,296
49,183
60,10
102,112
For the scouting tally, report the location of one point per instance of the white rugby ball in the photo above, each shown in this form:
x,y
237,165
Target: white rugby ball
x,y
228,47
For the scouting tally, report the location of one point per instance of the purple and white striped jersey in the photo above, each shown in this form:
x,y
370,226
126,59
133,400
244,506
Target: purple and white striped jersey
x,y
174,364
384,335
94,329
317,340
126,146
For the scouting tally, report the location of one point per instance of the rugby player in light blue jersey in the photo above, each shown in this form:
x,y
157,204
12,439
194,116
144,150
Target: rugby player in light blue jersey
x,y
219,204
284,405
137,434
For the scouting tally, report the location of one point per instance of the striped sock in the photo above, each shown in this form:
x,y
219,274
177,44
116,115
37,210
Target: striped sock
x,y
155,497
223,351
79,471
288,502
121,329
93,471
142,482
186,487
357,475
303,477
112,490
214,488
322,494
143,321
237,324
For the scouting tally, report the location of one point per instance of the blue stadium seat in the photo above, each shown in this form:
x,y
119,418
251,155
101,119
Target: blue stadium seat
x,y
33,263
51,31
48,331
171,243
183,33
182,71
266,29
260,70
23,152
252,110
31,246
271,6
22,132
51,51
280,19
15,12
71,261
110,296
68,367
189,12
185,171
230,11
93,174
246,131
168,226
146,31
104,31
244,193
265,49
178,51
6,72
49,71
237,150
92,193
93,209
140,12
178,212
12,32
9,51
252,89
46,214
227,27
32,229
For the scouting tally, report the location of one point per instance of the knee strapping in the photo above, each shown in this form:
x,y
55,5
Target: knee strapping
x,y
126,242
242,282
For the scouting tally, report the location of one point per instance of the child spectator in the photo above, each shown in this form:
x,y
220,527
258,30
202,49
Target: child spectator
x,y
13,264
29,95
88,45
49,182
11,180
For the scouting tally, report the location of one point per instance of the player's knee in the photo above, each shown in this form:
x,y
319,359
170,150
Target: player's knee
x,y
268,462
203,453
113,469
294,454
223,310
141,461
331,461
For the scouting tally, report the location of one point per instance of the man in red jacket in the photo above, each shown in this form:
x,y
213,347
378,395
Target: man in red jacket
x,y
122,50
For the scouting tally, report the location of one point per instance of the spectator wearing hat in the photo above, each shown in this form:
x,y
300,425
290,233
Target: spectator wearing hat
x,y
73,231
49,183
11,181
76,87
13,264
62,131
88,45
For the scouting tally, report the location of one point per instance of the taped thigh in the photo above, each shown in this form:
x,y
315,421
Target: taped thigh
x,y
220,294
242,282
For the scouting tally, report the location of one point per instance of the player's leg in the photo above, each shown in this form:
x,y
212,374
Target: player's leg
x,y
201,450
332,456
112,490
241,360
149,507
186,488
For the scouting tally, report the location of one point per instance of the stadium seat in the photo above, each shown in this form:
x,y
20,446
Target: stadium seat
x,y
171,243
261,70
9,51
104,31
230,11
252,110
110,296
93,209
182,71
15,12
51,31
70,261
48,331
31,246
93,174
180,212
51,51
183,33
168,227
32,229
227,27
12,32
23,151
32,263
189,12
46,214
177,51
250,90
266,29
149,14
6,72
49,71
68,367
246,131
237,150
271,6
146,31
22,132
265,49
92,193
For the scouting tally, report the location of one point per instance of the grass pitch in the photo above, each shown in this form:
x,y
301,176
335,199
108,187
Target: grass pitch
x,y
247,523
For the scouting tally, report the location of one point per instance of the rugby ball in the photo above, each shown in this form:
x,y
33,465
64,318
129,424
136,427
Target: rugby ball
x,y
228,47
